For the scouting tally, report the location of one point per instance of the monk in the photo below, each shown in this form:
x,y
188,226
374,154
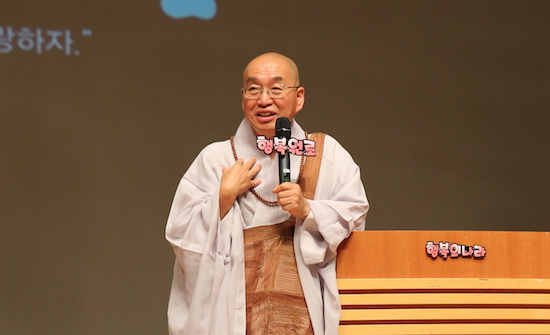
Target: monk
x,y
254,256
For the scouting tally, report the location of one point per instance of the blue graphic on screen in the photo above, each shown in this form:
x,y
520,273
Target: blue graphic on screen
x,y
180,9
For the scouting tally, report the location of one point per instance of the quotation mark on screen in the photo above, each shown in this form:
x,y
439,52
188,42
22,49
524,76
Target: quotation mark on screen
x,y
180,9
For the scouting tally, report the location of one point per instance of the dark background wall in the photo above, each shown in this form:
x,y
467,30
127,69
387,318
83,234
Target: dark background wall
x,y
443,104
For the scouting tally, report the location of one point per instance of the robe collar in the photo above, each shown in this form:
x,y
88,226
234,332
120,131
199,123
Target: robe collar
x,y
245,145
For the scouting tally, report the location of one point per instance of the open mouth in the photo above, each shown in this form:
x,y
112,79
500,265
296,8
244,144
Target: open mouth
x,y
265,114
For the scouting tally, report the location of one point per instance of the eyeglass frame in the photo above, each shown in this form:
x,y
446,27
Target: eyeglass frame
x,y
262,89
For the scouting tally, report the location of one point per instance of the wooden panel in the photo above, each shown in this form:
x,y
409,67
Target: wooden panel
x,y
433,284
446,329
443,300
444,306
402,254
389,284
445,315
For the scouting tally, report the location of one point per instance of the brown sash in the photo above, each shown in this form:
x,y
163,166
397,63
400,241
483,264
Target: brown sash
x,y
275,301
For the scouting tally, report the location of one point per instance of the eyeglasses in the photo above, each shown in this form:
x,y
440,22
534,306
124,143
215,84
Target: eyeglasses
x,y
275,91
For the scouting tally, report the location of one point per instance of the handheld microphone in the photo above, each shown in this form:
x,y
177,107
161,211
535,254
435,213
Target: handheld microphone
x,y
282,130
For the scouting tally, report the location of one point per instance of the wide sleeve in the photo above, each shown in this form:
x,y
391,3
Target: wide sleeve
x,y
208,279
339,207
195,208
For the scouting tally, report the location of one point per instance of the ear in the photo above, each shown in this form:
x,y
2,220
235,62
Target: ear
x,y
300,98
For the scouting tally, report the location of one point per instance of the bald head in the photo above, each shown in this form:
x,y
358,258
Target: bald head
x,y
264,72
266,59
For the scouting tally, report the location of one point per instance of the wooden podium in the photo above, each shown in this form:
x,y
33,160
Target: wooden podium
x,y
463,282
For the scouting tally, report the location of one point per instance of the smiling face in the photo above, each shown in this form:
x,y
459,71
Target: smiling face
x,y
262,113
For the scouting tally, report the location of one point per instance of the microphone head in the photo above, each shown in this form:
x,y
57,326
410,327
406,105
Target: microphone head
x,y
282,127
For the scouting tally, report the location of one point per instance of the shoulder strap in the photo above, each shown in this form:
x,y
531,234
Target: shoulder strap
x,y
312,166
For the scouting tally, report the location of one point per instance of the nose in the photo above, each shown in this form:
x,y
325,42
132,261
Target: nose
x,y
265,98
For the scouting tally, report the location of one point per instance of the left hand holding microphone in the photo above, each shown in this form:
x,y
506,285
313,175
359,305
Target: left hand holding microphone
x,y
292,200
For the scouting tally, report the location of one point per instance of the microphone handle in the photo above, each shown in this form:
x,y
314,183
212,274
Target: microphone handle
x,y
284,168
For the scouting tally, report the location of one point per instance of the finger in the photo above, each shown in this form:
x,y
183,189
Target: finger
x,y
283,186
288,186
282,194
254,171
277,189
288,192
255,182
224,169
249,163
287,203
284,202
